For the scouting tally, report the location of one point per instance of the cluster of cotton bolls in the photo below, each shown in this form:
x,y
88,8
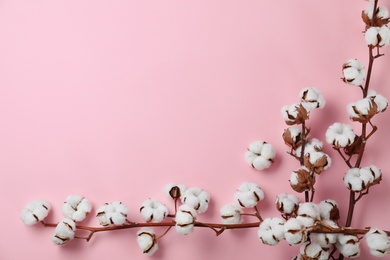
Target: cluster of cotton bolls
x,y
378,34
310,98
260,155
360,179
248,195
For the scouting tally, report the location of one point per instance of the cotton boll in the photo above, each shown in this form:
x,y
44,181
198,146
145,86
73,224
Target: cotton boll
x,y
329,210
317,161
323,239
35,212
379,100
248,195
340,135
294,231
76,207
147,241
375,172
313,251
174,191
378,242
308,213
185,219
356,179
260,155
256,147
353,72
260,163
371,36
114,213
271,231
196,198
231,214
64,232
348,245
153,211
314,145
312,97
287,203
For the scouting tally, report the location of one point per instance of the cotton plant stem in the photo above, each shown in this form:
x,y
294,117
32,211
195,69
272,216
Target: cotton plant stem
x,y
302,155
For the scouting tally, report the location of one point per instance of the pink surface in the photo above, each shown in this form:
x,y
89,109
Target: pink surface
x,y
114,99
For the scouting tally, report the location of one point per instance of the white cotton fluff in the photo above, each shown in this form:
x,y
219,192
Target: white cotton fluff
x,y
356,179
64,232
231,214
76,207
290,113
308,213
379,100
378,242
248,195
260,155
340,135
35,212
294,231
314,251
147,241
325,240
375,172
114,213
185,219
271,231
295,132
381,13
372,33
348,245
312,97
153,211
326,208
287,203
196,198
354,72
173,190
314,145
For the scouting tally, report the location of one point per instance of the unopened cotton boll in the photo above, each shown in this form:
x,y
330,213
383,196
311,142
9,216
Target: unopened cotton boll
x,y
64,232
36,211
340,135
312,97
174,191
313,251
248,195
114,213
348,245
294,231
153,211
260,155
147,241
354,72
76,207
378,242
196,198
271,231
231,214
287,203
185,219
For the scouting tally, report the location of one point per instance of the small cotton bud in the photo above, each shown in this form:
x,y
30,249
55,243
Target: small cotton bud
x,y
76,207
174,191
301,180
340,135
64,232
114,213
185,219
329,210
36,211
271,231
348,245
312,97
287,203
294,231
196,198
378,242
248,195
153,211
147,241
353,72
296,113
231,214
313,251
260,155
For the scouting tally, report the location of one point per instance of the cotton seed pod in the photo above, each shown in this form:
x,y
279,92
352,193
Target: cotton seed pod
x,y
260,155
363,110
64,232
147,241
185,219
348,245
312,97
292,137
312,250
356,179
301,180
287,203
36,211
231,214
317,162
114,213
378,242
174,191
340,135
153,211
197,198
296,113
294,232
248,195
271,231
354,72
329,210
76,207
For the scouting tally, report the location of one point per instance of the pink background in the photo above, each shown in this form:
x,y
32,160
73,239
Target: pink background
x,y
114,99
